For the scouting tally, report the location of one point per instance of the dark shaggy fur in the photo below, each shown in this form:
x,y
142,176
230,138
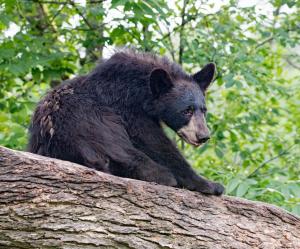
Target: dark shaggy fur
x,y
110,120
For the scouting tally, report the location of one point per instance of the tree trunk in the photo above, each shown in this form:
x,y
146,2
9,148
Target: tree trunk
x,y
48,203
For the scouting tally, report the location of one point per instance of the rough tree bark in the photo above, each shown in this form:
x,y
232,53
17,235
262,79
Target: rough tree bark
x,y
48,203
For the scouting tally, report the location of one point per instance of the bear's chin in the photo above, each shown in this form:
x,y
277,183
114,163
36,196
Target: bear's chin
x,y
195,144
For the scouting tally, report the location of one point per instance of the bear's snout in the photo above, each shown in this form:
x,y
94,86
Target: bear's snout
x,y
201,139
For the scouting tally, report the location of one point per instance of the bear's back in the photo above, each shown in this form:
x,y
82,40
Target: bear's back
x,y
58,108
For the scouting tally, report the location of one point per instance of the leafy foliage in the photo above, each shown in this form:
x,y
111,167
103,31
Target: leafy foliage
x,y
253,105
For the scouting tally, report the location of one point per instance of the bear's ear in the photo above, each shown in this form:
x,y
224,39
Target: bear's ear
x,y
160,82
205,76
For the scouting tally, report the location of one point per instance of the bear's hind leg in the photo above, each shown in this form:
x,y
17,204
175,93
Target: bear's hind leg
x,y
93,158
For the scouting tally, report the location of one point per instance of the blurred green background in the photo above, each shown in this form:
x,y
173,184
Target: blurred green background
x,y
254,104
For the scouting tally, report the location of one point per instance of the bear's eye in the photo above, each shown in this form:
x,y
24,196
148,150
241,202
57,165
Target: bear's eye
x,y
189,111
204,110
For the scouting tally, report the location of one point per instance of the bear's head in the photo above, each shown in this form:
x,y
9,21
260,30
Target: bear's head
x,y
180,103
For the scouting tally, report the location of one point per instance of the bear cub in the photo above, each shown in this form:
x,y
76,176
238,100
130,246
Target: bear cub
x,y
111,120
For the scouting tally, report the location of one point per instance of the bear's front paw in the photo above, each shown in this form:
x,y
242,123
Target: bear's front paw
x,y
217,188
211,188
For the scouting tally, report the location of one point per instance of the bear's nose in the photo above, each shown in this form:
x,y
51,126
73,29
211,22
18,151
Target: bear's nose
x,y
202,139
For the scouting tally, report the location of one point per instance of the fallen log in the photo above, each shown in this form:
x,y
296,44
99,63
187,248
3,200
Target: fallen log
x,y
49,203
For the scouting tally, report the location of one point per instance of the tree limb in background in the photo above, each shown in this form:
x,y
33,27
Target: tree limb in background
x,y
291,63
65,2
282,153
181,29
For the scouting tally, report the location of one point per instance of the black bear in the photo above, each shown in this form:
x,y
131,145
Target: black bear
x,y
111,120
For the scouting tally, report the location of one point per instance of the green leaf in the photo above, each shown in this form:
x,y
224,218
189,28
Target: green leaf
x,y
232,184
116,3
229,83
219,152
295,189
242,188
296,209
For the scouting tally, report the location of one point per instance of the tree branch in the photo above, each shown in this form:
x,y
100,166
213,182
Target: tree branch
x,y
264,42
282,153
48,203
183,22
291,63
82,15
187,20
57,13
46,19
64,2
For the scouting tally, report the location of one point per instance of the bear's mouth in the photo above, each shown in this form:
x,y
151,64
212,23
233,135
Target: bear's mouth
x,y
189,141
